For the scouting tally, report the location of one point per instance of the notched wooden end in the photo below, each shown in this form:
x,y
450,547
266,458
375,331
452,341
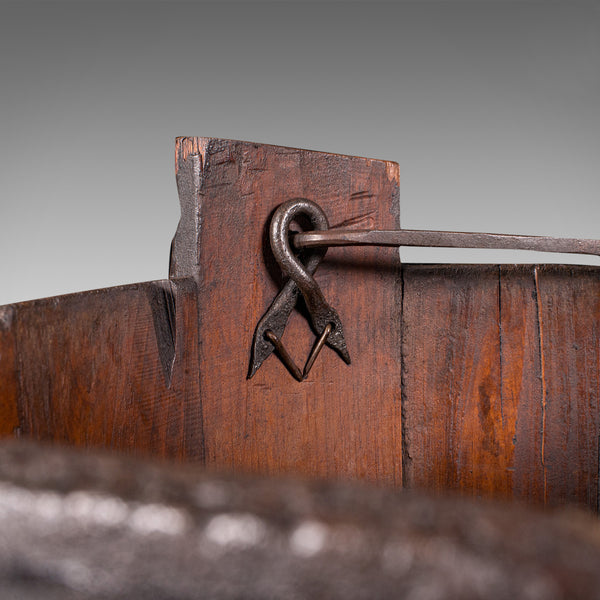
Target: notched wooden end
x,y
184,258
161,296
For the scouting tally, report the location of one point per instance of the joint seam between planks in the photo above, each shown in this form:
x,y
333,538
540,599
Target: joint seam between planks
x,y
543,379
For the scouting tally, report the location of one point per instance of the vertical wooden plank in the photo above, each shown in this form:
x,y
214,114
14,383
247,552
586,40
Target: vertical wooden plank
x,y
91,372
569,308
343,421
521,375
452,402
538,440
185,383
9,383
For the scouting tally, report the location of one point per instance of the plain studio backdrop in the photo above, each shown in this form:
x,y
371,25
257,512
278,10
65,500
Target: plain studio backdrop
x,y
491,108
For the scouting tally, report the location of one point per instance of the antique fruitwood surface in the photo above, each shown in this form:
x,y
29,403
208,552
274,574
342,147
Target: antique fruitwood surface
x,y
480,378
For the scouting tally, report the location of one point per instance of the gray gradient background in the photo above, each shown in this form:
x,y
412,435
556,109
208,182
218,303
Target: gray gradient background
x,y
491,108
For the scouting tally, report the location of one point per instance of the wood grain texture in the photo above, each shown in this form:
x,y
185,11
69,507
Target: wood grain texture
x,y
483,379
91,374
522,382
324,426
500,381
569,301
452,383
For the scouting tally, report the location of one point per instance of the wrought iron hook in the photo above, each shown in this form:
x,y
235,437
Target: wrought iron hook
x,y
270,328
325,319
321,313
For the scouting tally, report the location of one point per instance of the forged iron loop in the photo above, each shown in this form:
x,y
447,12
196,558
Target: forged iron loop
x,y
273,322
325,319
270,328
321,313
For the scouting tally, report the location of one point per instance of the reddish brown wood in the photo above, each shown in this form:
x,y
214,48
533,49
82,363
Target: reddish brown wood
x,y
481,379
343,421
452,400
501,376
91,375
521,377
569,300
9,383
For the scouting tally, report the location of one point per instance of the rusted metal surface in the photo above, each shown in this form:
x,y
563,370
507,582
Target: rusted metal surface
x,y
284,355
81,526
272,323
322,315
314,353
267,336
320,312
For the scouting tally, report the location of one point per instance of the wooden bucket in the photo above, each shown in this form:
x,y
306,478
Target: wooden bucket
x,y
481,378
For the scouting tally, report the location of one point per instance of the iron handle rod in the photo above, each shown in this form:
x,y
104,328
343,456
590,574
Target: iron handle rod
x,y
443,239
